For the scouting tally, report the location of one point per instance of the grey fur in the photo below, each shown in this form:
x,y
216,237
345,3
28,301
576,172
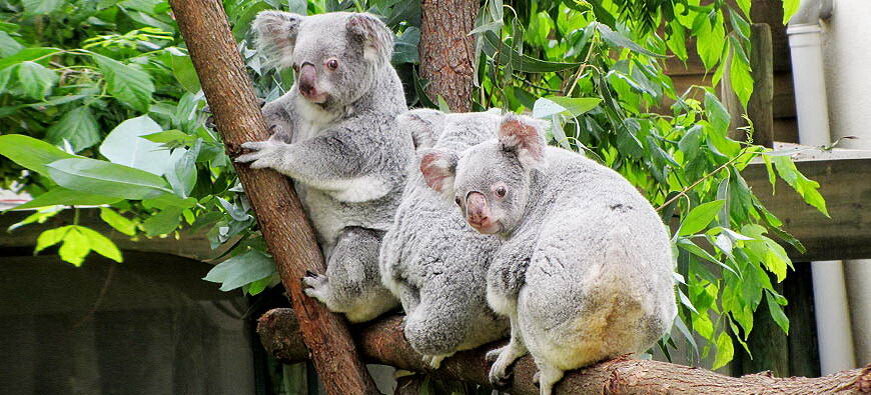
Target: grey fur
x,y
347,157
585,271
431,259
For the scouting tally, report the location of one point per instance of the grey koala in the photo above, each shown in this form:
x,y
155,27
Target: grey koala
x,y
585,271
335,135
431,259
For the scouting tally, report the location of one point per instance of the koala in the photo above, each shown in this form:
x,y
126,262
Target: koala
x,y
430,259
585,269
335,135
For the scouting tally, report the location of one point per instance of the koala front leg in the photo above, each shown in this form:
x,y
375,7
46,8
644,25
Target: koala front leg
x,y
505,356
325,162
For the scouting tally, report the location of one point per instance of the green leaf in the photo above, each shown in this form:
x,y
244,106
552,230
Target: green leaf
x,y
745,6
405,50
711,39
78,126
741,79
101,244
26,54
241,269
725,351
59,196
128,84
40,7
118,221
789,8
77,241
493,45
36,81
8,45
617,39
717,114
677,40
699,217
184,72
182,173
571,106
125,146
777,313
164,222
806,188
95,176
30,153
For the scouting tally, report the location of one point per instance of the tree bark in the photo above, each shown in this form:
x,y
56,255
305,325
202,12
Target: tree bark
x,y
447,51
383,342
282,221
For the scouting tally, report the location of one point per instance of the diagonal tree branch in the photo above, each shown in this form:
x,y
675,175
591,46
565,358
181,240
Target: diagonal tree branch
x,y
383,342
282,221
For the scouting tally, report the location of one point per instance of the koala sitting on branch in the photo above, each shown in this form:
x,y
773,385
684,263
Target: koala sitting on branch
x,y
585,271
335,135
431,259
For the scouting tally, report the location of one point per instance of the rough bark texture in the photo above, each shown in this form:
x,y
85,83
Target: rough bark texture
x,y
383,342
447,51
285,227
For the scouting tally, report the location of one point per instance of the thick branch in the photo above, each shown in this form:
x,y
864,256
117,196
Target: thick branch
x,y
383,342
282,221
447,51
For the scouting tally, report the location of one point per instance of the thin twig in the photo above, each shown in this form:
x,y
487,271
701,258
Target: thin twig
x,y
699,181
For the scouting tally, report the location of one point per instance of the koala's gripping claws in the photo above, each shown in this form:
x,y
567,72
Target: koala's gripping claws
x,y
309,273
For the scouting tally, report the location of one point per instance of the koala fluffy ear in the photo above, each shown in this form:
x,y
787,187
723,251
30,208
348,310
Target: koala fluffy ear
x,y
376,38
424,124
276,35
524,137
439,168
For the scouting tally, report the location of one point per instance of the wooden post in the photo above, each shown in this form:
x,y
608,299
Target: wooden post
x,y
760,108
282,221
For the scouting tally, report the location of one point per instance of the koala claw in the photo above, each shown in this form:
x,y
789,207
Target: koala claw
x,y
500,380
434,361
492,355
309,273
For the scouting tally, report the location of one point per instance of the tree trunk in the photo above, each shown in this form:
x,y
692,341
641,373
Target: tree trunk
x,y
447,51
383,342
282,221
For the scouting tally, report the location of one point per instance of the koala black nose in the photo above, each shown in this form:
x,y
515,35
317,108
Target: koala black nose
x,y
308,80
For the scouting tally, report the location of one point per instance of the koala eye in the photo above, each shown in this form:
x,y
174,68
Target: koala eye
x,y
500,191
333,64
457,201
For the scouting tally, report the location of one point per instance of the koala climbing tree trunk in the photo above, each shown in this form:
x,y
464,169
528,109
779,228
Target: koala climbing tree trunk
x,y
447,50
288,234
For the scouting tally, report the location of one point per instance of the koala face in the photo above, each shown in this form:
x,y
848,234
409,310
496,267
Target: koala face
x,y
490,181
336,56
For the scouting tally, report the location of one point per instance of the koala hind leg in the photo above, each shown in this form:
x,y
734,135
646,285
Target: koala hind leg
x,y
352,284
505,356
548,376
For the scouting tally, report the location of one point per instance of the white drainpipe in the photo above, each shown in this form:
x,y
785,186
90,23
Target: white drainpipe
x,y
830,295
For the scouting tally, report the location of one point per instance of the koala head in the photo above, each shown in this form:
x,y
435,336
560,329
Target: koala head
x,y
336,56
490,181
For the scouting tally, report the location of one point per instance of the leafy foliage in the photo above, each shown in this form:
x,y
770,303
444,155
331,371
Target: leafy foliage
x,y
100,105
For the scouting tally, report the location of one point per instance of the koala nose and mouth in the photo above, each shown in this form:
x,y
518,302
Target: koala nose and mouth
x,y
478,213
308,83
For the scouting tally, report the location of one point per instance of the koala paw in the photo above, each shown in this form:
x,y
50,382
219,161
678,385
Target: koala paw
x,y
500,372
434,361
266,153
317,286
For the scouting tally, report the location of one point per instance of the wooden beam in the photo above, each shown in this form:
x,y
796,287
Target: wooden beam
x,y
383,342
844,184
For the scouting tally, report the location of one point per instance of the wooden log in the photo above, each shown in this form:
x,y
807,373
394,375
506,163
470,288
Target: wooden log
x,y
285,227
447,51
383,342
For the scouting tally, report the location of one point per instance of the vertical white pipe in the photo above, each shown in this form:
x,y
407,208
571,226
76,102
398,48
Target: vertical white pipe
x,y
833,317
830,295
